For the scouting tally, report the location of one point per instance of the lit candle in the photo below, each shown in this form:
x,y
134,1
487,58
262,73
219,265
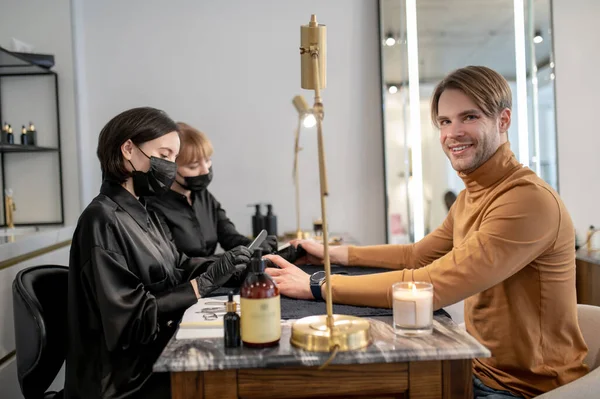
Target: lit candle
x,y
413,308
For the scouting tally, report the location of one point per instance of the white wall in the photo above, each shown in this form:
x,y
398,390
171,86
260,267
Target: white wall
x,y
33,177
577,90
231,68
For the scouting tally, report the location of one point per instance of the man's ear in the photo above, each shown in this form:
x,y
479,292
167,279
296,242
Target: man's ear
x,y
504,120
127,149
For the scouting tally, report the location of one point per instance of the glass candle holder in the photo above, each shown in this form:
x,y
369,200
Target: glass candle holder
x,y
413,308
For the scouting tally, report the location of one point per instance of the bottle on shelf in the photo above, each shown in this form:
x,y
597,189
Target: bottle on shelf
x,y
24,136
32,134
3,138
260,306
10,137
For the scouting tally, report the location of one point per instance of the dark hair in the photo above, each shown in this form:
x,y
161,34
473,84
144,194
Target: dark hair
x,y
138,125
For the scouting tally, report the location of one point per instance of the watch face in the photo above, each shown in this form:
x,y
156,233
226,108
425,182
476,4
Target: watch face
x,y
315,278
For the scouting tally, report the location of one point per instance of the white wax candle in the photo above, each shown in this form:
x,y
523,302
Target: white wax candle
x,y
413,308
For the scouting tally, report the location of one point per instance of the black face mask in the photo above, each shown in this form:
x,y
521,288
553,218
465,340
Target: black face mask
x,y
197,183
157,180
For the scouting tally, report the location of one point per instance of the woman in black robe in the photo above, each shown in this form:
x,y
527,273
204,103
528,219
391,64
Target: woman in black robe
x,y
128,284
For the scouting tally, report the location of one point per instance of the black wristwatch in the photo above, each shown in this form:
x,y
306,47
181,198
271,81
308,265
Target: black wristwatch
x,y
316,281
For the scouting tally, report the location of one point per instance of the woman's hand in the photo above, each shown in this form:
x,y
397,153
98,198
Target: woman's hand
x,y
269,245
231,262
290,279
315,253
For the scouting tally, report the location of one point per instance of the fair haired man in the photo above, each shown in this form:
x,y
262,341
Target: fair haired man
x,y
506,247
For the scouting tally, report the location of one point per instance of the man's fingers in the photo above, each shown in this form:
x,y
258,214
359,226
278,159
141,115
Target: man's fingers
x,y
273,271
278,280
279,261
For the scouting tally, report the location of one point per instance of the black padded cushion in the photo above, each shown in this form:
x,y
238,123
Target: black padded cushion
x,y
40,318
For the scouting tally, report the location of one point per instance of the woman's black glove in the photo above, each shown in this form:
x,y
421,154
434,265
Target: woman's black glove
x,y
269,245
231,262
291,253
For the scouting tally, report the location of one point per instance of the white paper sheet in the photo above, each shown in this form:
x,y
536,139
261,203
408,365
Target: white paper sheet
x,y
193,323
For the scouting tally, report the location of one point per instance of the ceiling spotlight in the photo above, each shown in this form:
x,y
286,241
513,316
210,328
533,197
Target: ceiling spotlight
x,y
393,89
537,39
390,40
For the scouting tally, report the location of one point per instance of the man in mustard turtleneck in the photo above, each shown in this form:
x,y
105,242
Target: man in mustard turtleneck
x,y
507,247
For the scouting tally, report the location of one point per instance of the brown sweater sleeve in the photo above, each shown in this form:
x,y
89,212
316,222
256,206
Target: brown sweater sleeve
x,y
433,246
519,226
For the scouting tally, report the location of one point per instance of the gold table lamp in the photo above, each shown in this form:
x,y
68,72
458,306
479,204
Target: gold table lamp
x,y
306,118
324,333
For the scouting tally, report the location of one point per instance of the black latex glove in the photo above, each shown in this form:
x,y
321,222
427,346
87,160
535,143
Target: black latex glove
x,y
291,253
231,262
269,245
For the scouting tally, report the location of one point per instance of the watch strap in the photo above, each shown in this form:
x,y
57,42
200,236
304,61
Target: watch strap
x,y
315,288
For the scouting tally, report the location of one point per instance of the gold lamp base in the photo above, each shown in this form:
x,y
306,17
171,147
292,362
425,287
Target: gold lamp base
x,y
349,333
298,234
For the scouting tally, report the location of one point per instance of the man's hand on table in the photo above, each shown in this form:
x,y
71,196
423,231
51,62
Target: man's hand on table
x,y
337,255
290,279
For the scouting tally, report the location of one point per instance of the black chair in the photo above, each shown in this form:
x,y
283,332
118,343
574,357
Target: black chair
x,y
40,316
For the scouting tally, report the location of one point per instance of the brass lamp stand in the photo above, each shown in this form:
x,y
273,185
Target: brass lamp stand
x,y
324,333
303,110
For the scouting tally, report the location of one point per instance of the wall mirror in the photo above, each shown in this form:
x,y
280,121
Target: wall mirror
x,y
421,42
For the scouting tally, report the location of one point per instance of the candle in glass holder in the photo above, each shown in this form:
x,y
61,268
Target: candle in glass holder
x,y
413,308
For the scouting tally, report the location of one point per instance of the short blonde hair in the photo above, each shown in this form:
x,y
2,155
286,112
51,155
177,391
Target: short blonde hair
x,y
486,87
194,145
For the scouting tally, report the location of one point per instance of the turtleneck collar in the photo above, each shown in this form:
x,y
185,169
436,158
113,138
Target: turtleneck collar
x,y
502,163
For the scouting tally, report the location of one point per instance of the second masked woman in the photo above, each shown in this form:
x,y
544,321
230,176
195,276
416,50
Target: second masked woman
x,y
195,218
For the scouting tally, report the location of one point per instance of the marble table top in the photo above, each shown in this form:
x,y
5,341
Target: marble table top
x,y
447,342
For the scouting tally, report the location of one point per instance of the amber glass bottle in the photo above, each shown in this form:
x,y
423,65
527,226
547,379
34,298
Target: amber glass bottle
x,y
260,306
